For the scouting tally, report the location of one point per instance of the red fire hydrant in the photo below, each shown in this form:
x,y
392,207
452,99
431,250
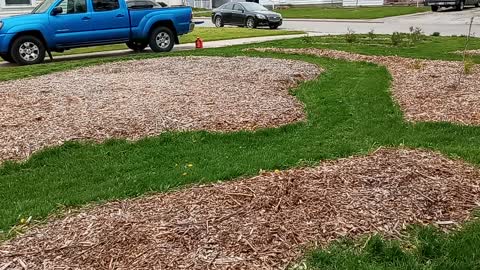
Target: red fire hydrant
x,y
199,43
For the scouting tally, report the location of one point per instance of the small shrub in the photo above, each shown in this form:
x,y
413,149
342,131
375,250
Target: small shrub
x,y
307,39
371,35
416,35
350,36
468,66
397,39
435,34
418,64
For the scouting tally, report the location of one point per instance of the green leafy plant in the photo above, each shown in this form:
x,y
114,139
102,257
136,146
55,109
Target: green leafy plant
x,y
350,36
307,39
435,34
416,35
417,64
397,38
371,34
468,66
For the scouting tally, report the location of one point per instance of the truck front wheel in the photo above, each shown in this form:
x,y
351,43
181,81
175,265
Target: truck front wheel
x,y
162,39
27,50
434,8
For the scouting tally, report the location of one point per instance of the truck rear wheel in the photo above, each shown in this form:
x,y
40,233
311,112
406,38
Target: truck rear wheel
x,y
136,46
435,8
27,50
162,39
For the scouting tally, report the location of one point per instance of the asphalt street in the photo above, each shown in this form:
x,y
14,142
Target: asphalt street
x,y
447,22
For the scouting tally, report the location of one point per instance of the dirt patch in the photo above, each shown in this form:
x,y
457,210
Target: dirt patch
x,y
427,90
259,223
135,99
469,52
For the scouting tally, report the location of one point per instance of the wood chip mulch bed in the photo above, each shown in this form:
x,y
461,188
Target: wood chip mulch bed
x,y
135,99
262,222
427,90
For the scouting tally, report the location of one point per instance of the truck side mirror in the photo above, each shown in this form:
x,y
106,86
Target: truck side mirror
x,y
57,10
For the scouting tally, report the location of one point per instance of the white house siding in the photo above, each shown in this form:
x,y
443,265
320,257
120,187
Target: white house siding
x,y
14,7
305,2
353,3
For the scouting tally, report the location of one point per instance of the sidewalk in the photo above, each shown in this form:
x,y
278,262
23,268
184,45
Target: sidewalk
x,y
180,47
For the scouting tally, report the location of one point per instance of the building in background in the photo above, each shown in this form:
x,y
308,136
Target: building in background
x,y
13,7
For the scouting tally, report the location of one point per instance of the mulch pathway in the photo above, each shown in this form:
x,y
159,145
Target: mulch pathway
x,y
264,222
427,90
142,98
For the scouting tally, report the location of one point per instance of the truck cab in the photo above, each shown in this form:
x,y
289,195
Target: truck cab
x,y
58,25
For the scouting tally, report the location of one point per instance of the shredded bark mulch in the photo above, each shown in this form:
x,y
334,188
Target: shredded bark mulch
x,y
264,222
135,99
427,90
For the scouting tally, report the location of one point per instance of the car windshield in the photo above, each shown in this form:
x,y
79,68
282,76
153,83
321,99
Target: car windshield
x,y
253,6
43,7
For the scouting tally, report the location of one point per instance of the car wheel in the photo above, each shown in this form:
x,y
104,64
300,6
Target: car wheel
x,y
219,21
7,58
136,46
27,50
460,6
162,39
435,8
251,23
273,26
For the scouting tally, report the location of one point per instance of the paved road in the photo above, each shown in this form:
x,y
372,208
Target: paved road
x,y
447,22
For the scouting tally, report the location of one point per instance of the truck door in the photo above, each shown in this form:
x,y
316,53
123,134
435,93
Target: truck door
x,y
71,26
110,20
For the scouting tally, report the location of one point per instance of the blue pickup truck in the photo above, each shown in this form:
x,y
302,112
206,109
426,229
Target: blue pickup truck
x,y
58,25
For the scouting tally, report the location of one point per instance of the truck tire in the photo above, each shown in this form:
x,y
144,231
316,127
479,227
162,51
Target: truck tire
x,y
460,6
7,58
136,46
162,39
27,50
435,8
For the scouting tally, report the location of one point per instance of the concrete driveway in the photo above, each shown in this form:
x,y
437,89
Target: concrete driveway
x,y
447,22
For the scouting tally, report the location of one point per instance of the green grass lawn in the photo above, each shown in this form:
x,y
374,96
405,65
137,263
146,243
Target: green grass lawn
x,y
350,111
206,33
347,13
425,248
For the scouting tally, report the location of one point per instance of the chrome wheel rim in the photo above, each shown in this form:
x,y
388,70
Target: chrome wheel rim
x,y
29,51
250,23
163,40
218,22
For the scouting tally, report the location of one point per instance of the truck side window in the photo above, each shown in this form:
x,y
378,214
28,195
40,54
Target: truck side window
x,y
73,6
105,5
